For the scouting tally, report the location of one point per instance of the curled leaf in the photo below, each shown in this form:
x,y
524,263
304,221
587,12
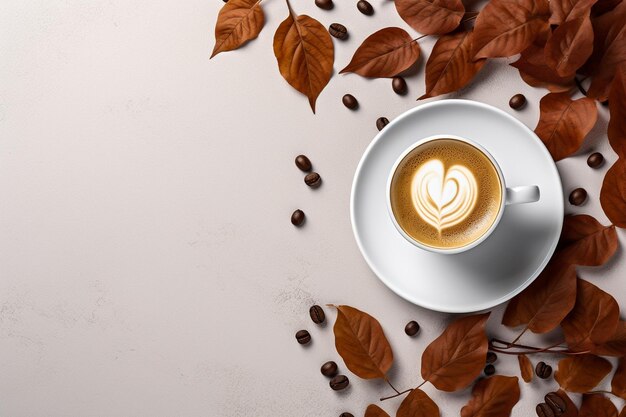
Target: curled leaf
x,y
597,405
238,22
361,342
431,17
617,109
495,396
569,46
581,373
526,368
373,410
454,359
584,241
618,383
535,72
563,10
385,53
613,194
418,404
616,345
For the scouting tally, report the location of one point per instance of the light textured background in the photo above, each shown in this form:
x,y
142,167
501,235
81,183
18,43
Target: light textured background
x,y
147,263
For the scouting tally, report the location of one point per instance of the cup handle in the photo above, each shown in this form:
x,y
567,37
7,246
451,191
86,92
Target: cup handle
x,y
522,194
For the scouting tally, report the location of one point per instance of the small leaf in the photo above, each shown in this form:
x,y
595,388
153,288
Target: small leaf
x,y
564,123
373,410
385,53
418,404
526,368
562,10
597,405
491,397
613,194
584,241
450,66
506,27
616,345
238,22
581,373
569,46
431,17
617,109
618,383
535,72
454,359
570,408
362,344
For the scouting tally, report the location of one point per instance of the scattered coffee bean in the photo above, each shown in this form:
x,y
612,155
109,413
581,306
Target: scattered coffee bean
x,y
556,403
543,370
381,122
578,197
346,415
329,369
544,410
338,30
297,217
491,357
339,382
303,337
350,102
595,160
317,314
399,85
412,328
303,163
365,7
517,101
324,4
313,180
490,370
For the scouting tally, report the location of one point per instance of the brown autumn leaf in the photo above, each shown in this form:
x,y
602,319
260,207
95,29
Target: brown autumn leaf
x,y
618,383
570,408
491,397
450,66
454,359
617,109
613,194
563,10
385,53
544,303
418,404
597,405
373,410
586,242
616,345
593,320
362,344
238,22
431,17
604,6
507,27
569,46
305,54
581,373
535,72
564,123
525,367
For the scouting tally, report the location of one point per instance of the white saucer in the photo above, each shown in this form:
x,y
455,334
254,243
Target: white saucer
x,y
500,267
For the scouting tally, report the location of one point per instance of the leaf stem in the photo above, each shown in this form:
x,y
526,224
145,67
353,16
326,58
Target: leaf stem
x,y
401,393
391,385
600,392
501,346
520,335
579,84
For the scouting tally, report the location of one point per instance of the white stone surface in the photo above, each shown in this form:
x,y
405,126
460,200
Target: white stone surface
x,y
147,262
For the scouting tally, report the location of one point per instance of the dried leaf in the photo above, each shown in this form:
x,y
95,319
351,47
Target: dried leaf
x,y
584,241
562,10
450,66
362,344
618,383
545,302
526,368
238,22
581,373
593,320
418,404
617,109
535,72
385,53
431,17
613,194
616,345
373,410
597,405
569,46
507,27
454,359
570,408
305,54
604,6
491,397
564,123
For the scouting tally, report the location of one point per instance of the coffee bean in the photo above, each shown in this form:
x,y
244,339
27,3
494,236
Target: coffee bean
x,y
365,7
303,337
303,163
544,410
491,357
350,102
399,85
578,197
489,370
313,180
297,217
381,122
346,415
556,403
317,314
324,4
517,101
412,328
329,369
543,370
338,30
595,160
339,382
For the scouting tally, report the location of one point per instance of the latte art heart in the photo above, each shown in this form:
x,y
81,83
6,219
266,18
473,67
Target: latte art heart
x,y
443,198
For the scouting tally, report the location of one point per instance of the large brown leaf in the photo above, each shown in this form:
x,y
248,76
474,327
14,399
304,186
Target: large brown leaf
x,y
593,320
431,17
535,72
454,359
613,193
570,408
617,108
493,397
616,345
385,53
597,405
238,22
373,410
362,344
618,383
418,404
581,373
525,367
450,65
569,46
584,241
305,54
564,123
546,302
507,27
562,10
